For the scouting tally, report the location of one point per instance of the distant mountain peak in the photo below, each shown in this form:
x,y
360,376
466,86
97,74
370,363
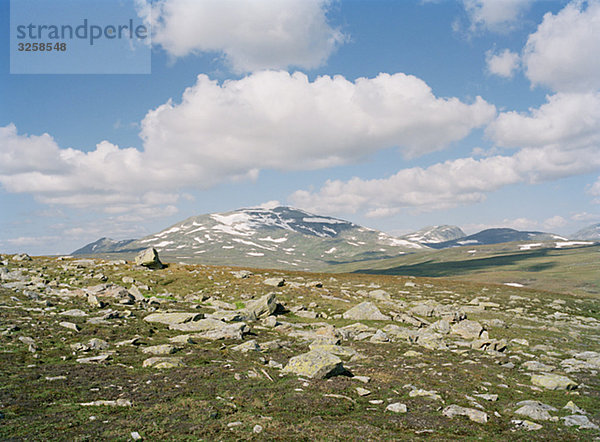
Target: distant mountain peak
x,y
436,234
275,236
589,232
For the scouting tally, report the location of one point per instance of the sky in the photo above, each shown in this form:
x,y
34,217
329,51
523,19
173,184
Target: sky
x,y
391,114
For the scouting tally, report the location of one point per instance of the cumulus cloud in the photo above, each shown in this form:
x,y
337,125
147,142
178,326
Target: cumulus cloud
x,y
566,121
250,34
559,139
563,52
274,119
231,131
495,15
503,64
594,190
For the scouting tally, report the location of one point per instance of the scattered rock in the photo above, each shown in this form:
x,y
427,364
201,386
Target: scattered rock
x,y
262,307
173,318
164,349
117,403
526,425
580,421
553,382
365,311
362,391
149,258
274,282
315,364
468,329
69,325
473,414
396,407
163,362
535,410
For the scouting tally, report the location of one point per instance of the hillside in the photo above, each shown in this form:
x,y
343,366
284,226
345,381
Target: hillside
x,y
558,266
100,350
591,232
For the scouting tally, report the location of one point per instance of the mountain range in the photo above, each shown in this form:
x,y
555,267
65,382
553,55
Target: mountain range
x,y
285,237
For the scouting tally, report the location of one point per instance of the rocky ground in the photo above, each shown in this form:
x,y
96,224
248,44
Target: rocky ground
x,y
94,349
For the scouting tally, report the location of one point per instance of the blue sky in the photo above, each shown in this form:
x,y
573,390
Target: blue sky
x,y
392,114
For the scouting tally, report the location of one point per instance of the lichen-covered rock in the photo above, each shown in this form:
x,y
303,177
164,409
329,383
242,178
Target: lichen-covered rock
x,y
535,410
365,311
149,258
173,318
164,349
274,282
473,414
553,382
316,364
163,362
467,329
262,307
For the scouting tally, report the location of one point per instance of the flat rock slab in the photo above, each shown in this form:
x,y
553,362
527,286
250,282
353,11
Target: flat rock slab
x,y
365,311
69,325
117,403
173,318
315,364
164,349
163,362
473,414
553,382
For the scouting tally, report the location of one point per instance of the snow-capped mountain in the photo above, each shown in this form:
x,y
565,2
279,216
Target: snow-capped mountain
x,y
497,236
281,237
435,234
590,232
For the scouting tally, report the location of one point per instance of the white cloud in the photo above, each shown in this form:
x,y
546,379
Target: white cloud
x,y
503,64
284,121
555,222
594,190
566,121
231,131
559,139
250,34
495,15
563,53
585,216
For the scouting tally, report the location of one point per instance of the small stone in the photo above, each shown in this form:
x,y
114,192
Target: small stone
x,y
257,429
117,403
573,408
362,391
274,282
70,325
396,407
579,421
163,362
363,379
164,349
535,410
526,425
419,392
473,414
74,312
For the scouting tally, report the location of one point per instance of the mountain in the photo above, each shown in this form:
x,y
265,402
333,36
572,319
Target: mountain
x,y
281,237
496,236
103,245
435,234
590,232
